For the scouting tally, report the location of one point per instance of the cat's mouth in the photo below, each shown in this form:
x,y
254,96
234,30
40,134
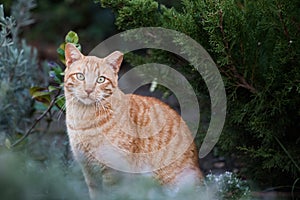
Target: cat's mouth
x,y
90,99
87,100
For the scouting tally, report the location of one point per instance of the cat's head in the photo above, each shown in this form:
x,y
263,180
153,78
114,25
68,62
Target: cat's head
x,y
89,79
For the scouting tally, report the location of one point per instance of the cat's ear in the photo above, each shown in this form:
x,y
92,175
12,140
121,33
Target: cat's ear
x,y
72,54
115,59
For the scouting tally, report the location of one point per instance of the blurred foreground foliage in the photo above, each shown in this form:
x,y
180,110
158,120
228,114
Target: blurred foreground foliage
x,y
256,47
45,174
28,177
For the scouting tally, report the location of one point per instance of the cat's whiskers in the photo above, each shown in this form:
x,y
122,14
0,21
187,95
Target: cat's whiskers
x,y
105,110
97,105
98,102
109,103
72,106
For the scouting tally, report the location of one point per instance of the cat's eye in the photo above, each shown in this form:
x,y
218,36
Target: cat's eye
x,y
101,79
80,76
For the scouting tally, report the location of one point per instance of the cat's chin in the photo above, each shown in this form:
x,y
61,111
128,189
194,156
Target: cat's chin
x,y
87,101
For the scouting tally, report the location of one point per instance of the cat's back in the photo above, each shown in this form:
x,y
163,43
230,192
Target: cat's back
x,y
155,124
143,108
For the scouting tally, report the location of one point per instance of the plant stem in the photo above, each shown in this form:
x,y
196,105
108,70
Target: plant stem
x,y
52,103
287,153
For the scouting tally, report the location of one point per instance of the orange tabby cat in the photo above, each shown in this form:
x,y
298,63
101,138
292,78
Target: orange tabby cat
x,y
110,131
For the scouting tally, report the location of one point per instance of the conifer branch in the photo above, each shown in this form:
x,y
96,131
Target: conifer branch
x,y
285,30
242,82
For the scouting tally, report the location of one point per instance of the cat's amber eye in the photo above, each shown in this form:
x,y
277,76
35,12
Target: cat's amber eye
x,y
80,76
101,79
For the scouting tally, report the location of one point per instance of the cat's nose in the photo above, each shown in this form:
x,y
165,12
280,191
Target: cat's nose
x,y
89,91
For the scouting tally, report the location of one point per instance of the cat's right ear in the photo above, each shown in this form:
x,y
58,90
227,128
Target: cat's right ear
x,y
72,54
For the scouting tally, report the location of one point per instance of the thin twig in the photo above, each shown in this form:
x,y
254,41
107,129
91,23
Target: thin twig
x,y
285,29
287,153
52,103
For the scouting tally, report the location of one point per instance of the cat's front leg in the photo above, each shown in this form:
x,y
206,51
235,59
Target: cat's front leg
x,y
101,182
93,179
110,178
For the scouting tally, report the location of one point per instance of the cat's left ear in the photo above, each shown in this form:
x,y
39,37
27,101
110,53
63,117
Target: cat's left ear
x,y
72,54
115,59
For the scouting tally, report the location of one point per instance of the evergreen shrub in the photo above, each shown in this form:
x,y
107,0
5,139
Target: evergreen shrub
x,y
256,47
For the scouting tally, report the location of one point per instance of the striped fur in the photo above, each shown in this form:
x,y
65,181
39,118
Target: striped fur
x,y
106,126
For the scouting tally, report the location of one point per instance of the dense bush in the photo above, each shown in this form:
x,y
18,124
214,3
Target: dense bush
x,y
256,47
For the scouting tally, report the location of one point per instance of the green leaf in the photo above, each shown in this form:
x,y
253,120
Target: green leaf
x,y
60,102
34,89
40,94
61,52
72,37
58,70
57,73
52,88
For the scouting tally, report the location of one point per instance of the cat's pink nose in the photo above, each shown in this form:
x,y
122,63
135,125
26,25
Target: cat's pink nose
x,y
88,91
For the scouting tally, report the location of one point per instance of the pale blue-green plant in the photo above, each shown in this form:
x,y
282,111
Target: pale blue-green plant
x,y
228,186
18,70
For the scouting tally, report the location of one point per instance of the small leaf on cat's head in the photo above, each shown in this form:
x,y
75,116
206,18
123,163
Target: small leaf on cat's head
x,y
72,37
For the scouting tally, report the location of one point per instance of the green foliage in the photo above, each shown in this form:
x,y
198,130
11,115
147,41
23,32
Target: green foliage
x,y
256,47
52,93
146,10
18,71
49,99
